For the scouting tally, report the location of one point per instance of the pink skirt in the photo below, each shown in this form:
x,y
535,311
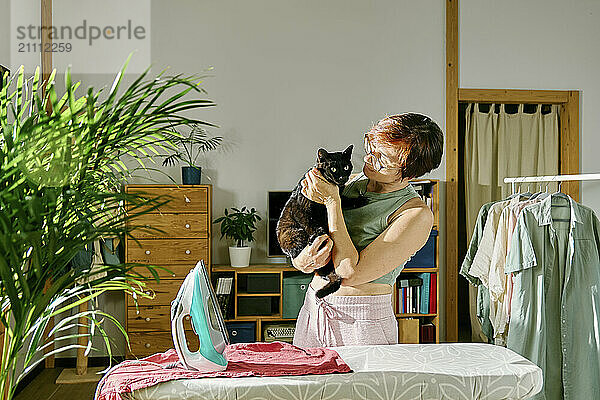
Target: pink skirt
x,y
345,321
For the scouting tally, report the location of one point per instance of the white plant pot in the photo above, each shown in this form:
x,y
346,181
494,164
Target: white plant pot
x,y
239,256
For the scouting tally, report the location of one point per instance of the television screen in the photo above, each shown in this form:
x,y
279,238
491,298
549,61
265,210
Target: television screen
x,y
275,202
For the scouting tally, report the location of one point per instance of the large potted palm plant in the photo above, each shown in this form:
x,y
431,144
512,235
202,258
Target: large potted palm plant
x,y
62,171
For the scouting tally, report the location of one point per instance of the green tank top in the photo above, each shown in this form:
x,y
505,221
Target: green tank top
x,y
365,223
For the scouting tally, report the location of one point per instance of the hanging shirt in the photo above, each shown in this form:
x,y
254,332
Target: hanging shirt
x,y
500,284
483,296
555,302
482,262
480,267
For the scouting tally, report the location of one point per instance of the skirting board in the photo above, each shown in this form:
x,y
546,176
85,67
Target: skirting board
x,y
69,375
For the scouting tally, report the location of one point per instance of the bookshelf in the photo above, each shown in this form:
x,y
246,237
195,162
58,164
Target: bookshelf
x,y
276,273
409,324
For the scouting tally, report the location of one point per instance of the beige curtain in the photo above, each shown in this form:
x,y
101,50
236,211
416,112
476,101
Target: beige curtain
x,y
499,145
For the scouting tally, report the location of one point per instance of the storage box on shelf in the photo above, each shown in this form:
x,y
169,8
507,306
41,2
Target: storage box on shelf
x,y
184,238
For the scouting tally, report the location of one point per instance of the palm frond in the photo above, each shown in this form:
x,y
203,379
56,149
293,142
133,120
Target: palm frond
x,y
62,174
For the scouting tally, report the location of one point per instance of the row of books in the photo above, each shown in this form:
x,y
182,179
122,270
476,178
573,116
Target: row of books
x,y
224,294
417,293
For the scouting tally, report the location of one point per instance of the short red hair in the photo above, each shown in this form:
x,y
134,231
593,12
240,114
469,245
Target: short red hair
x,y
416,139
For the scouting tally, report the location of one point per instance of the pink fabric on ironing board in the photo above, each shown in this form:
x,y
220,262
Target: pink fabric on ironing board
x,y
244,359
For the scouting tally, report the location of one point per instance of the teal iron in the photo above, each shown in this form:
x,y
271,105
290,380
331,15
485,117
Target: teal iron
x,y
196,298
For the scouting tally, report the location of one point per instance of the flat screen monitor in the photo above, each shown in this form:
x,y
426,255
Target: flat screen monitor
x,y
275,202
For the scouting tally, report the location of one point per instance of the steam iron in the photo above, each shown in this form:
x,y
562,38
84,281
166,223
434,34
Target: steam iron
x,y
197,299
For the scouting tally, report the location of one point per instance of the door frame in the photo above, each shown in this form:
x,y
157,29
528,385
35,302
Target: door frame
x,y
568,100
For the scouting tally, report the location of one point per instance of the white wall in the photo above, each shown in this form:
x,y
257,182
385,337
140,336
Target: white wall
x,y
538,44
290,77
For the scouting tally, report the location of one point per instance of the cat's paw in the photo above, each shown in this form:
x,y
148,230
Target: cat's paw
x,y
314,237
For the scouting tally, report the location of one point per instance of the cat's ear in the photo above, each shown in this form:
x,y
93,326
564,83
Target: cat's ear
x,y
348,151
321,153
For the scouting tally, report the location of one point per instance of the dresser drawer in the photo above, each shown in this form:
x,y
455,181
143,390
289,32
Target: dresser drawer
x,y
172,225
181,199
179,271
149,318
164,292
167,251
146,343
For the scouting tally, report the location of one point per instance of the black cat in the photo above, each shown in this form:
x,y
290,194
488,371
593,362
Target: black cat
x,y
303,220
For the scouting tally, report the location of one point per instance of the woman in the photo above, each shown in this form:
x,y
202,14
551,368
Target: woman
x,y
372,242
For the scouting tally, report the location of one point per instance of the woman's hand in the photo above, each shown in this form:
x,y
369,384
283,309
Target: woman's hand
x,y
317,189
311,258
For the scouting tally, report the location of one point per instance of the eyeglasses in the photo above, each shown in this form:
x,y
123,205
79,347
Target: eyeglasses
x,y
377,160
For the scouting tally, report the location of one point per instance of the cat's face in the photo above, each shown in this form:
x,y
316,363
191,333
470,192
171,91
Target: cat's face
x,y
336,167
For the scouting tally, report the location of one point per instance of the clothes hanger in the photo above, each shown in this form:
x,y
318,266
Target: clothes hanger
x,y
564,196
541,195
526,195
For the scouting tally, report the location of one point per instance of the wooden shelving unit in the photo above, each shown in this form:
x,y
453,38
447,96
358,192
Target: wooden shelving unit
x,y
275,269
432,317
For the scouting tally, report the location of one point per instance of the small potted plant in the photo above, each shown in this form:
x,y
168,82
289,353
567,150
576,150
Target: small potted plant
x,y
190,145
239,225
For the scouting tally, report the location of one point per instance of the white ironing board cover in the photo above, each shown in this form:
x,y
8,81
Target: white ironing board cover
x,y
403,371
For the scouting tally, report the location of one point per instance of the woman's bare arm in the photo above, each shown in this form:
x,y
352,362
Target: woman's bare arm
x,y
405,235
315,255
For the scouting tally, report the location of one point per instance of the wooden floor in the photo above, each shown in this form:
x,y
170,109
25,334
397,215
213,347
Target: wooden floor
x,y
43,387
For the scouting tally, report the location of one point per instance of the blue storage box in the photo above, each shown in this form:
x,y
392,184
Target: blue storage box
x,y
241,332
424,258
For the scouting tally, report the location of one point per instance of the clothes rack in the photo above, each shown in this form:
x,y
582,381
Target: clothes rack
x,y
551,178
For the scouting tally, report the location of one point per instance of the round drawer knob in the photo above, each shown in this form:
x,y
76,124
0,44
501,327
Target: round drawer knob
x,y
147,319
187,199
187,226
233,333
147,251
173,275
147,345
187,252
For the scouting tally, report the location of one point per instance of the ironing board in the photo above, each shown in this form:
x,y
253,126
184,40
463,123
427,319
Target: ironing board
x,y
403,371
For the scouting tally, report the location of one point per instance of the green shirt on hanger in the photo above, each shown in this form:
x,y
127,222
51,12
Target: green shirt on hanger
x,y
483,295
555,303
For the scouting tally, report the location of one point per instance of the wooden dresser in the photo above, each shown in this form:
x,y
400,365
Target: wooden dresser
x,y
186,223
